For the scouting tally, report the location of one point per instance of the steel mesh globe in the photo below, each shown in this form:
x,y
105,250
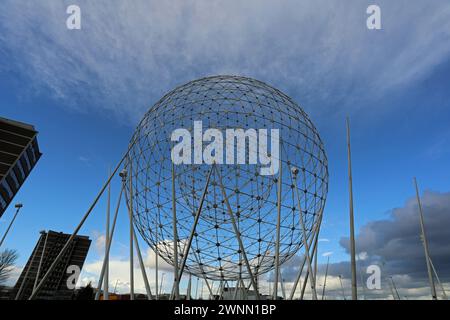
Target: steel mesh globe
x,y
224,102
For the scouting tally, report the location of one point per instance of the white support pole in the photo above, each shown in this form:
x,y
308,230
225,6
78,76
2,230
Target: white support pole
x,y
162,283
238,235
113,227
194,226
395,288
277,241
40,262
108,214
342,287
352,224
141,261
314,238
189,288
425,244
305,238
142,266
325,281
283,291
24,280
314,255
175,238
299,274
18,207
438,280
130,175
75,232
203,274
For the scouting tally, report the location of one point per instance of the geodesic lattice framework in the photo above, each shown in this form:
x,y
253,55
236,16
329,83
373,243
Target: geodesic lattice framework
x,y
225,102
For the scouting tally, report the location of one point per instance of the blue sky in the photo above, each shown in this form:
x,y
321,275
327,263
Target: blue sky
x,y
85,90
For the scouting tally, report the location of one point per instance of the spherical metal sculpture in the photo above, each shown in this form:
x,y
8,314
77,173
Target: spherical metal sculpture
x,y
224,102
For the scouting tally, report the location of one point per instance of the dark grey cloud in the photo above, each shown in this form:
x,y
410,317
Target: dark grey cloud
x,y
395,243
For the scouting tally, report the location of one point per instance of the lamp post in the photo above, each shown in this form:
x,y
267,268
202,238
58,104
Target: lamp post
x,y
18,207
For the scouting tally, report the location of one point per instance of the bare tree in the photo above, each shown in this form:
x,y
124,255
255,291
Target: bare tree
x,y
8,258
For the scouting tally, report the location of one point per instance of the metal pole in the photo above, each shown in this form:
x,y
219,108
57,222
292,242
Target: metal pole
x,y
283,291
238,235
196,289
194,226
142,266
18,207
123,175
425,244
395,288
277,241
69,241
40,262
300,272
438,280
314,255
325,281
204,274
141,262
342,287
161,284
392,291
305,238
19,292
156,264
175,238
108,213
189,288
352,225
131,234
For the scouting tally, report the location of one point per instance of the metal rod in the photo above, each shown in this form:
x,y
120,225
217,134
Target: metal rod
x,y
130,210
314,253
238,235
277,241
162,282
325,281
352,224
283,291
175,238
305,238
392,291
425,244
69,241
113,227
108,214
299,274
19,292
342,287
438,280
40,263
194,226
142,266
395,288
203,274
314,238
18,207
189,288
141,261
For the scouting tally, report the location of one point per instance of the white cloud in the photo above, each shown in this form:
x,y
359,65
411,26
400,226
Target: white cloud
x,y
126,56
